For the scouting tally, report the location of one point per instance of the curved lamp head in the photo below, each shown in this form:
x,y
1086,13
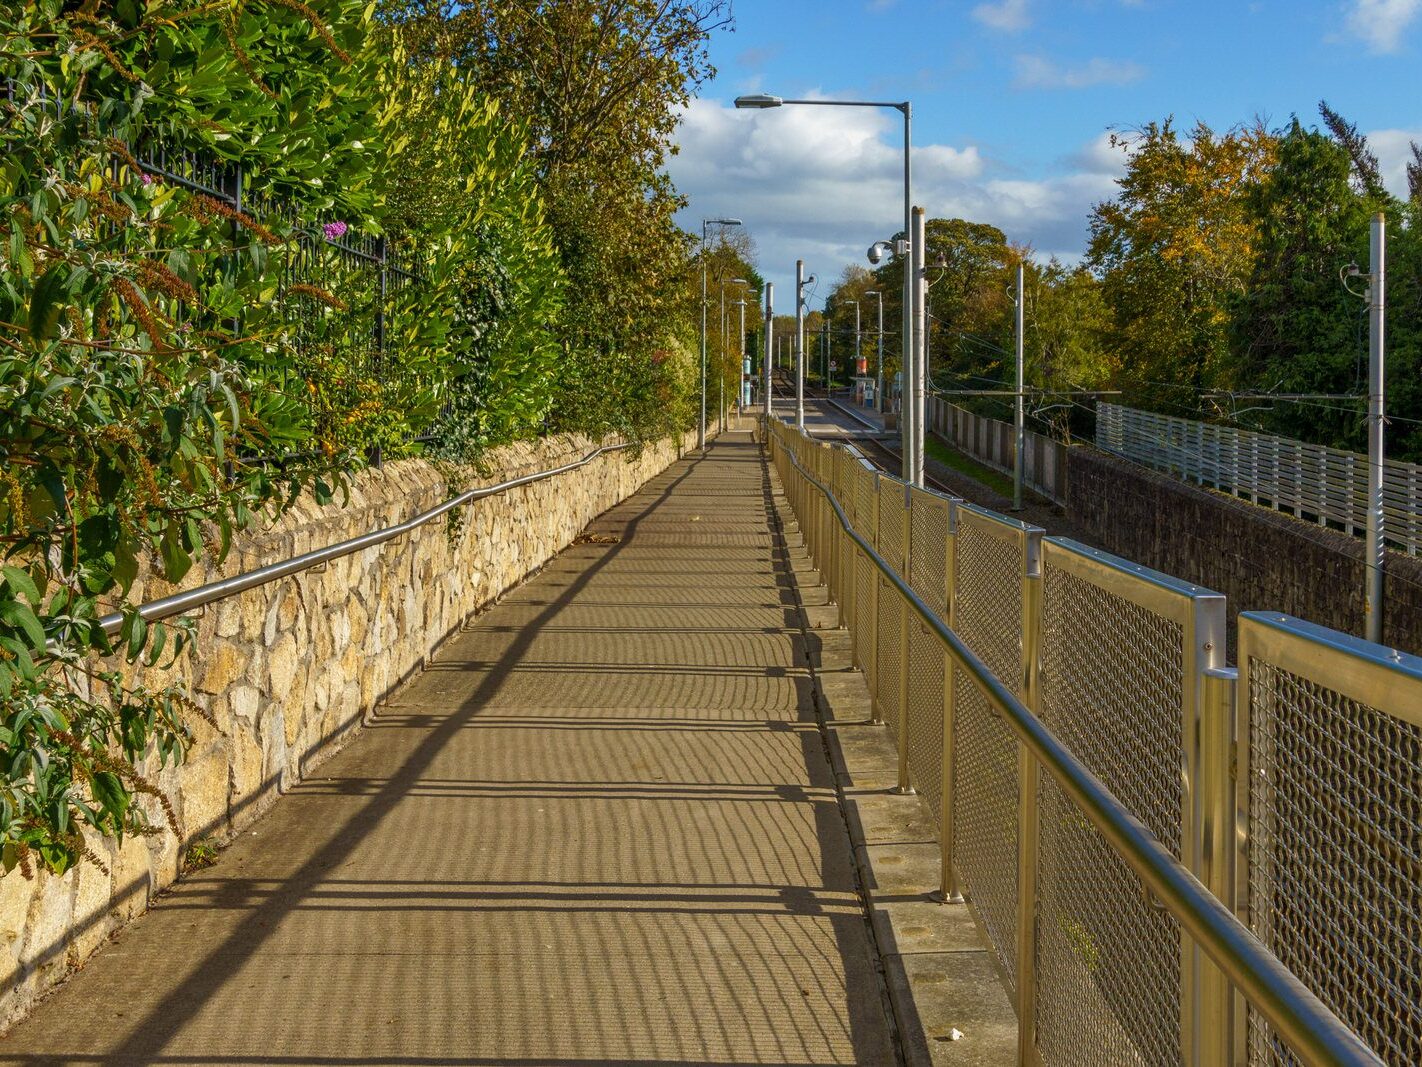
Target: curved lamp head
x,y
758,101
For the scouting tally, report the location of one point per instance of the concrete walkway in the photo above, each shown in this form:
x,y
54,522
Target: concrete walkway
x,y
601,829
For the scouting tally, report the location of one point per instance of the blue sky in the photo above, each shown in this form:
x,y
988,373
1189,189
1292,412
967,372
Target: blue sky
x,y
1013,102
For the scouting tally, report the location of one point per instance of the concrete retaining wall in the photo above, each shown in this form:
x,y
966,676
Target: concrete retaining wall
x,y
1262,560
290,670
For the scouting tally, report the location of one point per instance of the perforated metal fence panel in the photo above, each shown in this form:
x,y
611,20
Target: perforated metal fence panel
x,y
1120,683
928,559
1332,787
990,560
988,611
1308,764
985,818
866,579
889,638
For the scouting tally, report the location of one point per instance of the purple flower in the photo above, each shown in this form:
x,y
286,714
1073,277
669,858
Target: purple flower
x,y
334,230
147,179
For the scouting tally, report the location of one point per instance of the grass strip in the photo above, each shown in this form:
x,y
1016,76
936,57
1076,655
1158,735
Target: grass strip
x,y
962,463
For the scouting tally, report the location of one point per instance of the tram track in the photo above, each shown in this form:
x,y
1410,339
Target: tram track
x,y
885,458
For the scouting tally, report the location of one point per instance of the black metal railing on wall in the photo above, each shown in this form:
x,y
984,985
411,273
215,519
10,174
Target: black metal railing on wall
x,y
366,271
331,255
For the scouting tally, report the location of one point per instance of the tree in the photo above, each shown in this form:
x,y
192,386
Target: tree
x,y
601,84
148,336
1174,249
1067,323
1294,326
729,255
969,323
1297,329
458,179
839,308
1365,163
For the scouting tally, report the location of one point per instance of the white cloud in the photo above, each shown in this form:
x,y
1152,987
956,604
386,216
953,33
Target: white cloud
x,y
1038,72
1009,16
1394,151
1381,23
1104,155
821,184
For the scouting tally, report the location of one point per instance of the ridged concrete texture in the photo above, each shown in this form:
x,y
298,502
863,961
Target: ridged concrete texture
x,y
600,829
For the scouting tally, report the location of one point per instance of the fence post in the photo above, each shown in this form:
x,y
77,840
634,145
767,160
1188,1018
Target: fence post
x,y
875,581
1206,729
1027,808
380,251
905,787
1212,1025
948,877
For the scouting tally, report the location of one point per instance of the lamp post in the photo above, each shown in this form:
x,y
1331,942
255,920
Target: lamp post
x,y
766,348
760,101
701,430
879,362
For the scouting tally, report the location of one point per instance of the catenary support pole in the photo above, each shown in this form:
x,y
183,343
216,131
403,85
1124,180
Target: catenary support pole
x,y
1019,407
879,361
701,424
910,289
800,344
745,396
1377,407
915,380
853,360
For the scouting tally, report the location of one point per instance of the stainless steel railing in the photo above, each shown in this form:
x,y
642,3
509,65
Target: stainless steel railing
x,y
1100,871
192,599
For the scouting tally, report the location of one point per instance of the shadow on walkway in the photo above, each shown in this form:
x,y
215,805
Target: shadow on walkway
x,y
577,839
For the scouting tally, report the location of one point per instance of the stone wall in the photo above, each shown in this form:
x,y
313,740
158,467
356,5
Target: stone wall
x,y
1262,560
290,670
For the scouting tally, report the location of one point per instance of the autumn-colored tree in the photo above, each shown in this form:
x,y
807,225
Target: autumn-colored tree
x,y
1176,248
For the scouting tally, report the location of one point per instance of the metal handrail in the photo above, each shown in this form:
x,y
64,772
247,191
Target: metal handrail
x,y
192,599
1305,1022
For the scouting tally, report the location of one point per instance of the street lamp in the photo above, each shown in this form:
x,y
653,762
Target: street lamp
x,y
701,430
879,363
762,101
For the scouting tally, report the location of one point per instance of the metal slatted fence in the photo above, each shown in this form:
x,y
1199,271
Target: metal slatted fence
x,y
1325,485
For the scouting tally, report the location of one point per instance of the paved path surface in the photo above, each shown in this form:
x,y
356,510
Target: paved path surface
x,y
601,829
